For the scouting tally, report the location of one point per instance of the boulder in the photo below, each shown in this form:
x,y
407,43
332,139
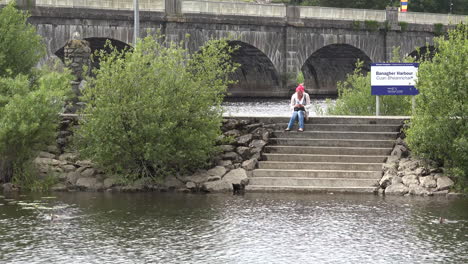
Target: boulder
x,y
421,171
235,176
72,157
224,163
214,178
198,177
217,186
416,189
257,144
217,171
171,182
227,148
244,140
59,187
88,172
231,156
109,182
68,168
386,180
47,161
428,181
396,189
444,183
89,184
232,133
47,155
191,185
400,151
229,124
72,177
249,164
410,179
244,152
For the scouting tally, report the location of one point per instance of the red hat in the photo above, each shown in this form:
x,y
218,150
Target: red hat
x,y
300,88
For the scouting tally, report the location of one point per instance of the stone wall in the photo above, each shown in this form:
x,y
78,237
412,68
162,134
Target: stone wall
x,y
240,147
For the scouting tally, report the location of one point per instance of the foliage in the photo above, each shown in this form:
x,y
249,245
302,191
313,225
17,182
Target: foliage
x,y
354,97
156,110
300,77
403,25
371,25
356,25
438,29
439,128
20,47
29,107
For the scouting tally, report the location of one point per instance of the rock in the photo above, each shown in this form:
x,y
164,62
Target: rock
x,y
256,156
444,183
408,164
438,175
230,123
198,177
72,177
171,182
428,181
410,179
397,180
59,187
84,163
416,189
191,185
68,168
232,133
249,164
47,161
245,122
217,186
227,148
380,191
109,183
421,171
390,165
10,187
88,172
396,189
386,180
244,140
454,195
399,151
217,171
440,193
214,178
47,155
72,157
253,126
224,163
257,144
235,176
244,152
89,184
231,156
53,149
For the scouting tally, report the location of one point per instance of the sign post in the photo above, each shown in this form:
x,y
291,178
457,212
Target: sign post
x,y
393,79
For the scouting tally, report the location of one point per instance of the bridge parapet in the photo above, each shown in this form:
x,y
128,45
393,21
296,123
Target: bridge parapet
x,y
146,5
431,18
318,12
234,8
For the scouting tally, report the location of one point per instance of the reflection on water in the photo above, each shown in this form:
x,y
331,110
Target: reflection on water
x,y
255,228
269,107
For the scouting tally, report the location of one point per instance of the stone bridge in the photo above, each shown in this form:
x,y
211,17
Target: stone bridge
x,y
276,41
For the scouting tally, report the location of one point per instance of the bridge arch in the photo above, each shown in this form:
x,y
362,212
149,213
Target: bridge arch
x,y
256,75
330,64
423,53
96,43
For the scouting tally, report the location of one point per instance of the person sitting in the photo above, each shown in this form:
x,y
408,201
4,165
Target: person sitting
x,y
300,102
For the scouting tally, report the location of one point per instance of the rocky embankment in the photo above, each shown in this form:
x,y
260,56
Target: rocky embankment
x,y
404,174
243,141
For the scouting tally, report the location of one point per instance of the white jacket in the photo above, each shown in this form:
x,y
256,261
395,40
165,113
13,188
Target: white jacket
x,y
305,101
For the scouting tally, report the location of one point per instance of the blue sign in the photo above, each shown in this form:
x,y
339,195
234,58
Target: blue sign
x,y
394,78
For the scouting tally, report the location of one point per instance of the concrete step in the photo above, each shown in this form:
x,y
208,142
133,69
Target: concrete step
x,y
317,173
348,127
359,143
327,150
371,120
309,189
319,166
323,158
326,182
336,135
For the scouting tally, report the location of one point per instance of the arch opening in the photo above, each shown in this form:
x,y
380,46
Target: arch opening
x,y
256,75
97,44
330,64
423,53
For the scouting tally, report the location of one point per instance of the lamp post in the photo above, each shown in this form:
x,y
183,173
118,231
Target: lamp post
x,y
136,25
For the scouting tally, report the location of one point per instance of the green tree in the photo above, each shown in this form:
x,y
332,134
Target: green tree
x,y
155,110
439,128
30,99
20,46
354,97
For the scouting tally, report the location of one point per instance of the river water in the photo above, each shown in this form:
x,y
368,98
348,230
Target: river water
x,y
222,228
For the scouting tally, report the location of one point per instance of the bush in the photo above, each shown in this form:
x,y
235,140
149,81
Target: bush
x,y
155,110
439,128
354,97
30,100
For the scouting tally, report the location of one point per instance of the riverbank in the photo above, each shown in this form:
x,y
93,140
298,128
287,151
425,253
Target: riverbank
x,y
241,147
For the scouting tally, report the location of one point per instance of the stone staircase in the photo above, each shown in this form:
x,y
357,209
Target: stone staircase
x,y
333,154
